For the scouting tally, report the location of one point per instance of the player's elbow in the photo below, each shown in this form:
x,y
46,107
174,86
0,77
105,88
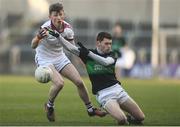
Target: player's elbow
x,y
33,46
106,64
108,61
34,43
141,117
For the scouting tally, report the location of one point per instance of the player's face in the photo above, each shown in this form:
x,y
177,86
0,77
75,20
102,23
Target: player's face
x,y
105,45
57,18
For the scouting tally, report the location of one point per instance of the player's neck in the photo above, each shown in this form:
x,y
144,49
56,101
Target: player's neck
x,y
99,51
59,27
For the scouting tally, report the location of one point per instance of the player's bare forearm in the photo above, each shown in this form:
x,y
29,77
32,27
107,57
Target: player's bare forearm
x,y
40,35
35,42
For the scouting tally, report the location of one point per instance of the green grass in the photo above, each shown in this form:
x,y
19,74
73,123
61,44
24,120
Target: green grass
x,y
22,100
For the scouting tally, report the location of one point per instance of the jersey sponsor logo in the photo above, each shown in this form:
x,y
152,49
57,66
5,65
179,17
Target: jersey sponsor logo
x,y
95,68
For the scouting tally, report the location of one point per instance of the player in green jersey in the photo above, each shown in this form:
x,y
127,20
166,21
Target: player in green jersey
x,y
100,64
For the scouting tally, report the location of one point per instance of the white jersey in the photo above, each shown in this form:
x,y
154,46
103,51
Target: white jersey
x,y
50,47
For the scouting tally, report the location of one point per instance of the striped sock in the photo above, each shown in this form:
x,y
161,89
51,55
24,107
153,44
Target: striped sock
x,y
50,103
89,107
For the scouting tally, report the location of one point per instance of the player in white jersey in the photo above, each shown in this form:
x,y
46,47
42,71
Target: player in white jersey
x,y
49,53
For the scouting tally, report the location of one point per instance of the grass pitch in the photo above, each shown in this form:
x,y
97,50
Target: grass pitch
x,y
22,100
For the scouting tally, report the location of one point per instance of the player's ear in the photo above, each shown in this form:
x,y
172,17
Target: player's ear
x,y
98,43
49,14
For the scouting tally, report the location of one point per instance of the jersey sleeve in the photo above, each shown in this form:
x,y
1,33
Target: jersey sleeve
x,y
69,34
46,24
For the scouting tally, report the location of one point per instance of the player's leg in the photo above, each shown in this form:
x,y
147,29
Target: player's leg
x,y
113,108
70,72
57,85
133,109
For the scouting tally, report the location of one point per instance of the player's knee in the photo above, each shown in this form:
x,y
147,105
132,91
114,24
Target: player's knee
x,y
122,121
60,84
79,83
141,117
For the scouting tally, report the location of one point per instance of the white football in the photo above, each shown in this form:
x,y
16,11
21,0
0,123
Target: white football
x,y
43,74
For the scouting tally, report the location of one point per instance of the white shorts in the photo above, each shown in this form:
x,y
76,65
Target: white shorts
x,y
115,92
59,63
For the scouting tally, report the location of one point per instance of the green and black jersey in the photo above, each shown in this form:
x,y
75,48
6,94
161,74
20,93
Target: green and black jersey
x,y
101,76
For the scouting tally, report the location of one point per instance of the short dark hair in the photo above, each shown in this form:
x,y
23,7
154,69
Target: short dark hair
x,y
55,7
103,35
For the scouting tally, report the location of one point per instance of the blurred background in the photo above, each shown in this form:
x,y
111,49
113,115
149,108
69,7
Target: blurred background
x,y
151,29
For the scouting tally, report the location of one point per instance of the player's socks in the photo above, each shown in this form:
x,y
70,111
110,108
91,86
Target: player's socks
x,y
132,120
94,111
50,103
89,107
49,112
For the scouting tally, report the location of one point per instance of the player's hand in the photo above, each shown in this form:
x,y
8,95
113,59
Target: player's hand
x,y
53,33
83,50
42,33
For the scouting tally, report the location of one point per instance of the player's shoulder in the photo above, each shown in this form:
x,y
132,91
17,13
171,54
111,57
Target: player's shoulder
x,y
46,24
67,28
68,31
67,25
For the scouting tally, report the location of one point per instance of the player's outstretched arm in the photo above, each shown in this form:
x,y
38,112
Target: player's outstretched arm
x,y
72,48
102,60
69,46
82,51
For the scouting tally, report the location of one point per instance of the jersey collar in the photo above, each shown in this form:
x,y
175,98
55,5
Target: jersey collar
x,y
99,51
54,28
